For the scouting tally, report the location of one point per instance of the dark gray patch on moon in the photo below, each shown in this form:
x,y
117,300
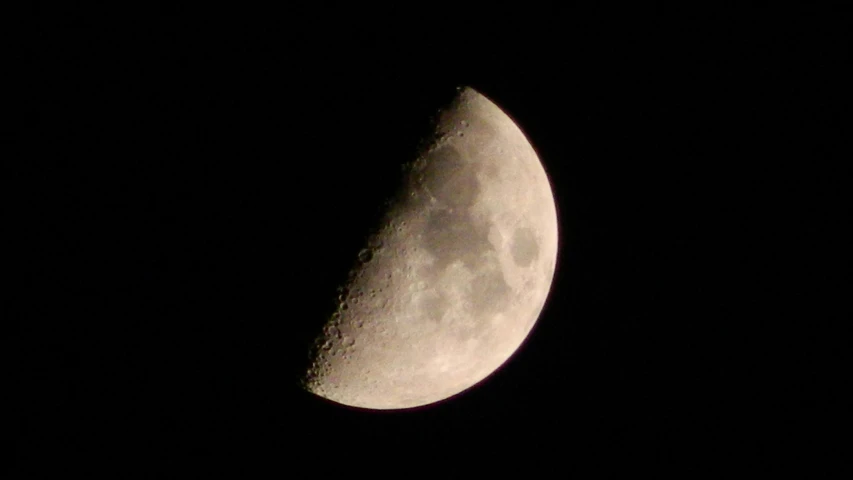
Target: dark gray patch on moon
x,y
450,180
524,247
490,293
453,235
435,305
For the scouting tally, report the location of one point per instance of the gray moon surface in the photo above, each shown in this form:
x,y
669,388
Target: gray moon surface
x,y
451,283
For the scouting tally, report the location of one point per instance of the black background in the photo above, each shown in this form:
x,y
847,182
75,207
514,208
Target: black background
x,y
199,179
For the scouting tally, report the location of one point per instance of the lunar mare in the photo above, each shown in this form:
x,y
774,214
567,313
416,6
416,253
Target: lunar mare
x,y
452,283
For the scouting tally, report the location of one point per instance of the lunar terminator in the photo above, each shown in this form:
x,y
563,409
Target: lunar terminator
x,y
452,282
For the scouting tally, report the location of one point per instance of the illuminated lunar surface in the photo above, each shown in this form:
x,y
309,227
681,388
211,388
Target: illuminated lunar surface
x,y
452,282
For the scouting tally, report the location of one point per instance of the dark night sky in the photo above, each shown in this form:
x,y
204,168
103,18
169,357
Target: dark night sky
x,y
198,181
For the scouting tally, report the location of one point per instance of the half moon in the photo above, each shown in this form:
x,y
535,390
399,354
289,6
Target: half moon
x,y
452,282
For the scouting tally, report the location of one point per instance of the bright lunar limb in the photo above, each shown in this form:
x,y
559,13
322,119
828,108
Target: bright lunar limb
x,y
451,284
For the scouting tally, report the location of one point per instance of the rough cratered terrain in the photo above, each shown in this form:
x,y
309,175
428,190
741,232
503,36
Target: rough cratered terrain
x,y
451,284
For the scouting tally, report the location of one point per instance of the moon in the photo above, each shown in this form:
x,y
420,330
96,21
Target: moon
x,y
451,283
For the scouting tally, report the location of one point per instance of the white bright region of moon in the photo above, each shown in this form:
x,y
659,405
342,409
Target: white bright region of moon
x,y
451,284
